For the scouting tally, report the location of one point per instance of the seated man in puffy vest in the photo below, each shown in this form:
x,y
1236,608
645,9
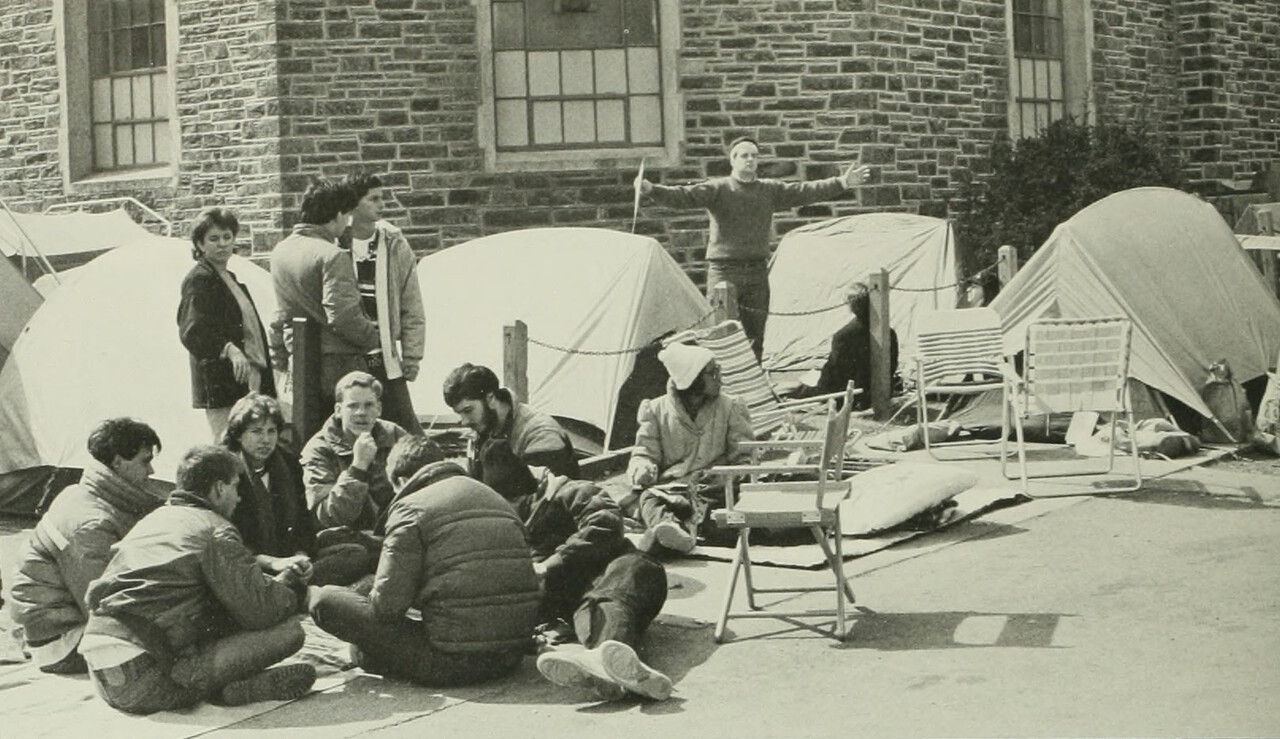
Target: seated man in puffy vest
x,y
592,576
184,612
71,544
344,465
454,550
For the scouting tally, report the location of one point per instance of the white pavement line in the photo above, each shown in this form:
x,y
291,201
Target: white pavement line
x,y
979,630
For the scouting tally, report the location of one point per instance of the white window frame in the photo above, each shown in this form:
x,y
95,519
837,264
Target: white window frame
x,y
665,154
1077,65
75,134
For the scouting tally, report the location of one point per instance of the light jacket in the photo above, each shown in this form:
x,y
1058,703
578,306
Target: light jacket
x,y
456,551
337,494
70,546
183,576
680,445
401,323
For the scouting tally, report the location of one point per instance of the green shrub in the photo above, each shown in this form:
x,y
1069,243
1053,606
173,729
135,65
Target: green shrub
x,y
1033,185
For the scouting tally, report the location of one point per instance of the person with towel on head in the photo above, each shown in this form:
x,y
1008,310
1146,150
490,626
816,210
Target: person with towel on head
x,y
681,435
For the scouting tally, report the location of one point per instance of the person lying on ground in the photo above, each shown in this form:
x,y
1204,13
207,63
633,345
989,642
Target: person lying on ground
x,y
683,434
272,515
455,551
344,465
596,588
71,544
184,613
472,391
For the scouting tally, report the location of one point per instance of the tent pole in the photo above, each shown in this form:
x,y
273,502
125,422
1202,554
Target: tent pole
x,y
34,247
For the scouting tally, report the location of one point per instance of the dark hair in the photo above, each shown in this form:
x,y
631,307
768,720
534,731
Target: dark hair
x,y
741,140
203,466
411,454
214,217
357,378
325,200
252,408
470,382
696,388
859,300
122,437
361,184
506,473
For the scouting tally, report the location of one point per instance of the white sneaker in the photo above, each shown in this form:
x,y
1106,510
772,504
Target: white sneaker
x,y
623,666
580,668
673,536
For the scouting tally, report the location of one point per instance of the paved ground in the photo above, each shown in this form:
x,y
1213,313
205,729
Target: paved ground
x,y
1148,615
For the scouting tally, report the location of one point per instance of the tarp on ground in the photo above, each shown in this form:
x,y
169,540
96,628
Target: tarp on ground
x,y
1167,261
1247,223
815,264
106,344
588,296
20,301
57,235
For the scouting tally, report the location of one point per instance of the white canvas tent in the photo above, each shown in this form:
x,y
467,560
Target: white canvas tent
x,y
1248,223
66,235
1169,262
593,292
815,264
106,344
19,303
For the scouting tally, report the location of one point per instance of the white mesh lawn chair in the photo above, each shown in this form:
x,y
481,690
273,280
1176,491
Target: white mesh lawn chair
x,y
958,352
1071,366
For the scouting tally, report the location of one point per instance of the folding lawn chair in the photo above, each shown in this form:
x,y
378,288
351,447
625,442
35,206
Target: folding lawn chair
x,y
742,377
805,504
958,352
1073,365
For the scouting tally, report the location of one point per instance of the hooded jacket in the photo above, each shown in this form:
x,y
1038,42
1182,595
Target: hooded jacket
x,y
680,445
70,546
456,551
337,494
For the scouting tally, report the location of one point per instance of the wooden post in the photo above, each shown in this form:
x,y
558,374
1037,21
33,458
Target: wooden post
x,y
881,389
1266,227
307,414
515,360
1007,264
724,299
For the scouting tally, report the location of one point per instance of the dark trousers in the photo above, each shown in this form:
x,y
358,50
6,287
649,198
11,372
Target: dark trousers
x,y
617,603
751,283
146,683
397,405
400,649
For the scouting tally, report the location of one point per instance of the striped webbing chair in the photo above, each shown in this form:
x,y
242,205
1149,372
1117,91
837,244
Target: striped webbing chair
x,y
958,352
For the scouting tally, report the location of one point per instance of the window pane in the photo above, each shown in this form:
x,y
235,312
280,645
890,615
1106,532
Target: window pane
x,y
611,71
641,21
576,69
642,70
646,120
157,47
142,148
579,121
141,39
546,123
513,123
508,25
164,152
120,97
1042,79
544,75
102,151
124,146
508,74
160,94
1026,71
121,14
157,11
1055,111
609,121
141,12
120,47
1055,80
101,100
142,97
1021,34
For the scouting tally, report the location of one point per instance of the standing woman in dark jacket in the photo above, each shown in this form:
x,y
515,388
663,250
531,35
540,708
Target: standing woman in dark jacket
x,y
219,324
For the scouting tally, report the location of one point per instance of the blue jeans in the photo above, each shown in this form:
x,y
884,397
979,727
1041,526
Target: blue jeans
x,y
147,683
401,649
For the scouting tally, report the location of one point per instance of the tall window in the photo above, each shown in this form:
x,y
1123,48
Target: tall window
x,y
1050,45
129,85
584,77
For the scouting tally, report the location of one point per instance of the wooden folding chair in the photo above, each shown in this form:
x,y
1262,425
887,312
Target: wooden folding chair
x,y
742,377
808,504
1073,365
958,352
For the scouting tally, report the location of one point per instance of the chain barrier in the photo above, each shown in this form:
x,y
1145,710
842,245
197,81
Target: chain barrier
x,y
842,304
617,352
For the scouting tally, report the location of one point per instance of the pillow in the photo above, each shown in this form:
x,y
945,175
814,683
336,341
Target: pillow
x,y
886,496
